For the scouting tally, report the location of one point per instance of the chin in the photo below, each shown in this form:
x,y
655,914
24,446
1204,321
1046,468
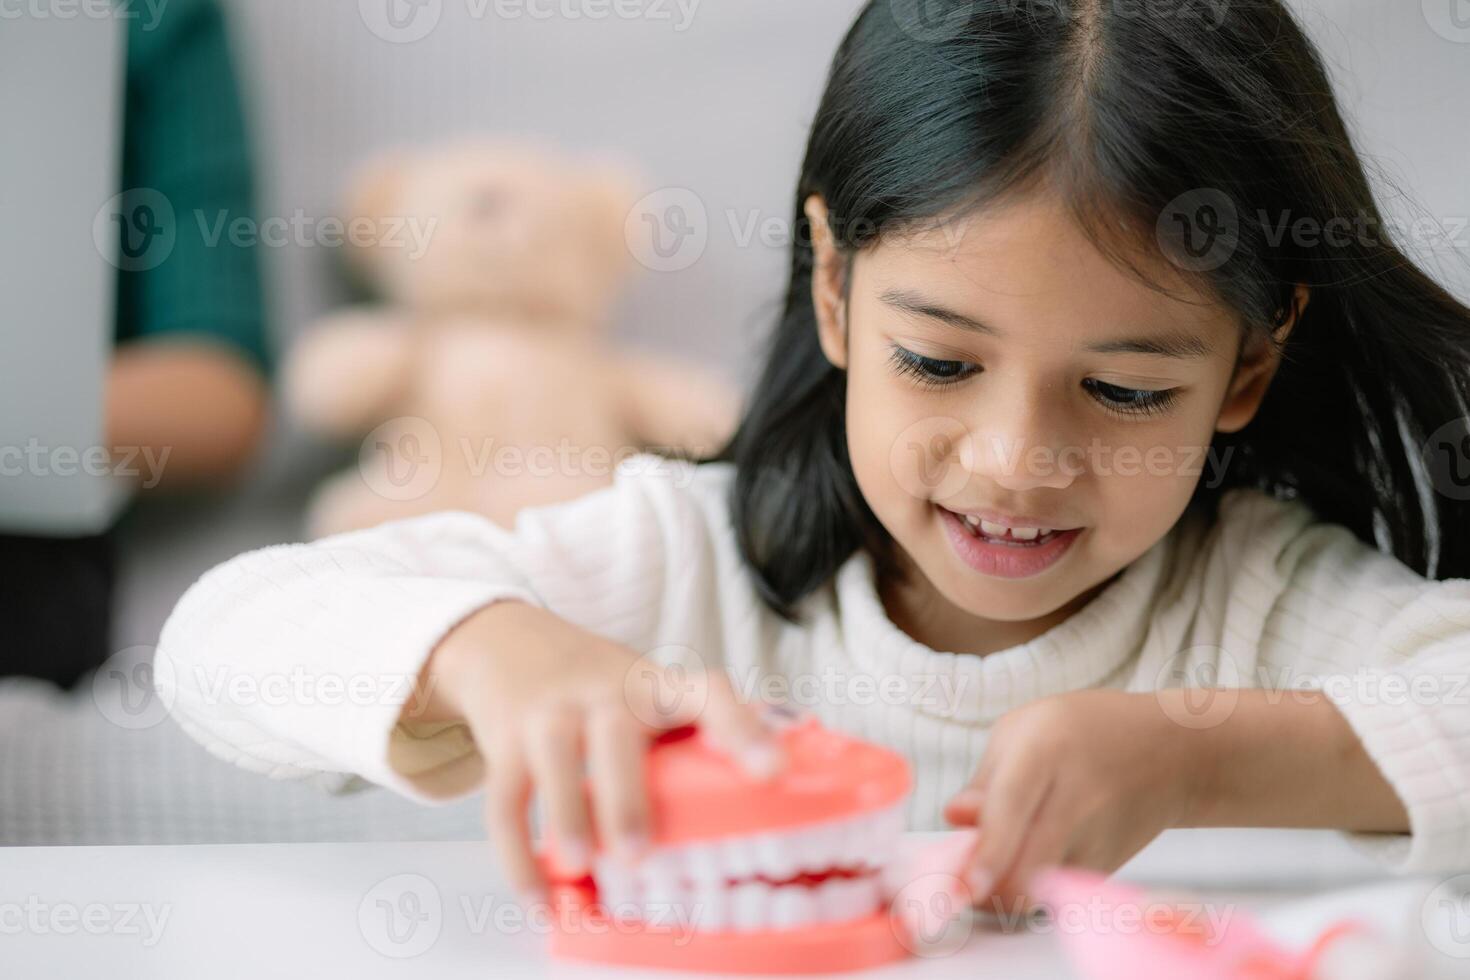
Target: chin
x,y
1010,602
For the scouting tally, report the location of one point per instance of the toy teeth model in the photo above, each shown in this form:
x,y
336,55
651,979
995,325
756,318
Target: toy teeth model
x,y
742,876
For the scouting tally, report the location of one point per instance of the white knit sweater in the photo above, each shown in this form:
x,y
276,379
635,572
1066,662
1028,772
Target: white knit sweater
x,y
295,660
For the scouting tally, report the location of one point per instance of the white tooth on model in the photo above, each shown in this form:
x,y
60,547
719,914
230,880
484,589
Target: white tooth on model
x,y
775,856
889,826
993,529
748,902
819,847
880,830
1024,533
845,899
663,896
808,846
877,838
792,906
894,822
708,884
666,862
739,857
615,884
711,912
856,840
702,862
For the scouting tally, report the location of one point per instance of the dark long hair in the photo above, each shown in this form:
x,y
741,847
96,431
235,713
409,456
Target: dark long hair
x,y
1139,117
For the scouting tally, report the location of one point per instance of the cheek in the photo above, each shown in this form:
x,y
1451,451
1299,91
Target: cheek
x,y
884,423
1142,485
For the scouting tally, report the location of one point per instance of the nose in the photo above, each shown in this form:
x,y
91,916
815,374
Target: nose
x,y
1017,443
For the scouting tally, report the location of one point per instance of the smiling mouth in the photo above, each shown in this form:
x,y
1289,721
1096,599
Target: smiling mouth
x,y
1015,537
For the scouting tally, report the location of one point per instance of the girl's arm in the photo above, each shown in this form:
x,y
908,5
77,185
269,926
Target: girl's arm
x,y
1284,760
302,659
1390,651
1316,683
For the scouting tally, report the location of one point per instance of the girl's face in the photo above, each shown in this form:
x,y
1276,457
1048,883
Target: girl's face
x,y
1000,367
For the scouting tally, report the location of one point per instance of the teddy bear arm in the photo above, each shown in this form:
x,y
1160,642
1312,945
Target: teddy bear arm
x,y
347,373
678,405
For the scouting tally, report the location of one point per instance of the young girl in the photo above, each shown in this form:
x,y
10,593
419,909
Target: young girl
x,y
1065,478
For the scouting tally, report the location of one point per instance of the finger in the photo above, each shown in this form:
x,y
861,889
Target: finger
x,y
553,750
1013,797
1105,854
616,746
507,794
963,809
1046,844
736,728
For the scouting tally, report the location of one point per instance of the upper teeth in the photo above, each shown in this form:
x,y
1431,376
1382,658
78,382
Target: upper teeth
x,y
999,530
751,882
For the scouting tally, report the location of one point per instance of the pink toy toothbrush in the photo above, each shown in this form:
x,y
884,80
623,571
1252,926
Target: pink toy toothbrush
x,y
1113,931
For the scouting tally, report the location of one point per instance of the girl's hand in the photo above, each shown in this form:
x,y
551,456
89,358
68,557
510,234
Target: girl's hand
x,y
541,696
1084,779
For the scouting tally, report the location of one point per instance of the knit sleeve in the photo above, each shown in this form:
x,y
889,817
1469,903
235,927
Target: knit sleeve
x,y
1392,650
297,659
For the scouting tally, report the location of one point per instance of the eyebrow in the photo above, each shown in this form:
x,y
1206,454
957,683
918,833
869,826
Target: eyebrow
x,y
1174,344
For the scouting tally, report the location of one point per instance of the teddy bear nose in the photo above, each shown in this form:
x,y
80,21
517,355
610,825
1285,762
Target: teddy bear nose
x,y
488,204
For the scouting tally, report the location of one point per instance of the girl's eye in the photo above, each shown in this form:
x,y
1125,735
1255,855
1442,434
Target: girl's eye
x,y
1130,401
929,371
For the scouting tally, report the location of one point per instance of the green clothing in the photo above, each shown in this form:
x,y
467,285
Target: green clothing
x,y
184,137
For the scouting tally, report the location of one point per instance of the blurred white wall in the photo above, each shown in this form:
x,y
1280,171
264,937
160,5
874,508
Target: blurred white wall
x,y
716,101
1401,69
714,96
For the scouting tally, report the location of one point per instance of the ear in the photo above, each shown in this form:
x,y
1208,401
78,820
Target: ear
x,y
827,284
373,192
1256,367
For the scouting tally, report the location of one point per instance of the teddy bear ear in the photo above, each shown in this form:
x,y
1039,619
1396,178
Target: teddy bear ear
x,y
614,183
373,191
374,185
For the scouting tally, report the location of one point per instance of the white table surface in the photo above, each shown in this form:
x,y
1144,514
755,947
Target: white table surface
x,y
321,910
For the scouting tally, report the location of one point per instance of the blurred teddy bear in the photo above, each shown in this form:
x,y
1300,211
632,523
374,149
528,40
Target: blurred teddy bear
x,y
486,382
